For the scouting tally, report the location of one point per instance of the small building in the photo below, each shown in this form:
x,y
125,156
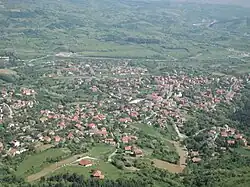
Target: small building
x,y
85,163
128,149
194,153
196,160
57,139
224,134
47,139
97,174
92,126
231,142
70,136
137,152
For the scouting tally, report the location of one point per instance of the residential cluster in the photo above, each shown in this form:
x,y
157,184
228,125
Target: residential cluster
x,y
117,97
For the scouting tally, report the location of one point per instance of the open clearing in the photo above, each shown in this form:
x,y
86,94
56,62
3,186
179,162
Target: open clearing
x,y
107,169
51,168
61,166
35,163
100,150
173,168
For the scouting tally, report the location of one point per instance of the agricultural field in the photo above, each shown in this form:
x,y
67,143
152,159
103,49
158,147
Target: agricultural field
x,y
35,163
110,171
101,150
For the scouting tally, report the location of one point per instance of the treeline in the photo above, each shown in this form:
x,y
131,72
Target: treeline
x,y
228,170
74,180
242,114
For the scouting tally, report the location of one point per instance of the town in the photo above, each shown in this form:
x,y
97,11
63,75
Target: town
x,y
110,102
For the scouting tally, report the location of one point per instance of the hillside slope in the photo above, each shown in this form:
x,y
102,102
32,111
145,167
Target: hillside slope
x,y
132,29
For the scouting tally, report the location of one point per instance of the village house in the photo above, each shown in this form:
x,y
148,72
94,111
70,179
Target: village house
x,y
231,142
127,139
196,160
12,152
57,139
47,139
97,174
133,151
110,141
70,136
92,126
128,149
15,143
137,152
194,154
85,163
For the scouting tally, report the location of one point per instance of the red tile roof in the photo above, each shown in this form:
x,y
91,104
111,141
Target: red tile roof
x,y
84,162
70,135
57,138
91,125
96,173
128,148
230,142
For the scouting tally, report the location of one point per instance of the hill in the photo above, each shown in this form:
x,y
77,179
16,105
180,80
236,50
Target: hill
x,y
131,29
244,3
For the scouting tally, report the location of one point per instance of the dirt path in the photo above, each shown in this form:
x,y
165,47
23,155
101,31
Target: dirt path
x,y
53,167
182,153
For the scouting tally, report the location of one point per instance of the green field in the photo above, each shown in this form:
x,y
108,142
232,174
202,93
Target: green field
x,y
155,131
107,169
148,129
243,151
101,150
35,163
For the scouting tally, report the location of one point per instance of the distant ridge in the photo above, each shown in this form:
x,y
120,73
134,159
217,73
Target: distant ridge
x,y
244,3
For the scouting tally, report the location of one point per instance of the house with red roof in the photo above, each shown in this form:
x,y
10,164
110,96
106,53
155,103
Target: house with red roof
x,y
85,163
78,126
125,120
70,136
62,125
231,142
125,139
128,149
75,118
224,134
97,174
92,126
138,152
57,139
134,114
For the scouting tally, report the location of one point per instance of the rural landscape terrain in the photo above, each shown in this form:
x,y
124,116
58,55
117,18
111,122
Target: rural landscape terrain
x,y
145,93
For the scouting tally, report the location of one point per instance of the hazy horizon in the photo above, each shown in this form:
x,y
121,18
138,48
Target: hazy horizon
x,y
244,3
